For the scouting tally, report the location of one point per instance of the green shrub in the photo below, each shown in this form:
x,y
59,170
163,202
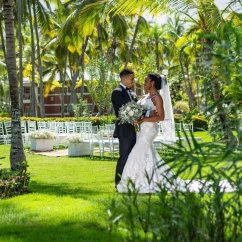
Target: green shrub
x,y
181,107
13,183
178,118
199,123
184,216
96,120
4,114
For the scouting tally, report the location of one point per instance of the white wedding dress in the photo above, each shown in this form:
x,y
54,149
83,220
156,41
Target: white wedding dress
x,y
146,172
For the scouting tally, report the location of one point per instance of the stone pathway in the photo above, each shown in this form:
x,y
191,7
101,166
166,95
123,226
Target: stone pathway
x,y
55,153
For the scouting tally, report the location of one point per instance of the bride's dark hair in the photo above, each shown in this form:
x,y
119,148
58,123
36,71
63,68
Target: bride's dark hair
x,y
157,79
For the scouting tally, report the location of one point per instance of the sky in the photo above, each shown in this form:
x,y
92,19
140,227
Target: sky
x,y
220,3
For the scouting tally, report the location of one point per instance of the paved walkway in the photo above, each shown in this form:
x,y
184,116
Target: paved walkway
x,y
55,153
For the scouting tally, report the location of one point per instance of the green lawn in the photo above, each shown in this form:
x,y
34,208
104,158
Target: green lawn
x,y
68,200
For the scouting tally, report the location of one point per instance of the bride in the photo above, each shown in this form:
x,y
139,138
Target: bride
x,y
145,171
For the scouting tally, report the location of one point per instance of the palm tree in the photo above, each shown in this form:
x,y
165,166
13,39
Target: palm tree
x,y
17,151
210,21
20,55
38,8
33,93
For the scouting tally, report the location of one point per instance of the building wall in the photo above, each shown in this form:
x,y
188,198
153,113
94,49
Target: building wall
x,y
53,102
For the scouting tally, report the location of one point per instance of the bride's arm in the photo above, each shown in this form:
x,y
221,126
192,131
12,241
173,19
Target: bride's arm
x,y
160,115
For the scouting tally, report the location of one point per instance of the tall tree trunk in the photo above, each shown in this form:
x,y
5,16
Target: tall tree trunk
x,y
17,150
190,94
3,43
113,48
33,98
157,54
99,33
21,96
75,76
40,69
63,77
182,70
229,137
133,41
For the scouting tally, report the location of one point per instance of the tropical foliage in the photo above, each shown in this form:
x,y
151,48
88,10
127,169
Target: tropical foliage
x,y
73,45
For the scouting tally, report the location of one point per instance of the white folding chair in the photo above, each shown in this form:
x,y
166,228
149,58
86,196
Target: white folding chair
x,y
79,127
114,141
42,125
31,126
61,128
94,141
87,126
24,131
8,132
70,127
188,127
105,139
2,135
52,126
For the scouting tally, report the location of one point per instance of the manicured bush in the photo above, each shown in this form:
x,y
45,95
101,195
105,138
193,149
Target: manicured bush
x,y
181,107
96,120
4,114
199,123
178,118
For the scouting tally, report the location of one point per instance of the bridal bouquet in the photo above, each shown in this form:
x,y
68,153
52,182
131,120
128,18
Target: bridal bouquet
x,y
130,113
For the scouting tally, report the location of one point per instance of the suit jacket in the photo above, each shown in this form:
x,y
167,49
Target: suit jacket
x,y
120,97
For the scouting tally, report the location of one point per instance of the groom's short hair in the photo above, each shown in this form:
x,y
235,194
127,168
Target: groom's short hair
x,y
125,72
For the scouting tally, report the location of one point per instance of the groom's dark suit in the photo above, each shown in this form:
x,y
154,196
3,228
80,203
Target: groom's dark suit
x,y
124,132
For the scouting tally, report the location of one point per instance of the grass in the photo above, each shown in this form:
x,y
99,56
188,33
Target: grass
x,y
68,200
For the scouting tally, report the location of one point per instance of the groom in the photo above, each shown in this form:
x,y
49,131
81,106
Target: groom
x,y
124,132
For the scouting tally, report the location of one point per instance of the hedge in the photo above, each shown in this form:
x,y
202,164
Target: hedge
x,y
96,120
199,122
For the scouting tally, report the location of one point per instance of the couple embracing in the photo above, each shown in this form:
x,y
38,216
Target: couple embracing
x,y
137,158
139,166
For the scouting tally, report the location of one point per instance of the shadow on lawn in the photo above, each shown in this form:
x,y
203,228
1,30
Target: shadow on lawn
x,y
75,230
80,190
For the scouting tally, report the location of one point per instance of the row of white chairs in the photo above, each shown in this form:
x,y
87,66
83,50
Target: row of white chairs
x,y
31,126
99,138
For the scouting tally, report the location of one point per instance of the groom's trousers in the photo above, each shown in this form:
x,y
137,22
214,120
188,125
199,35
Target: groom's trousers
x,y
125,147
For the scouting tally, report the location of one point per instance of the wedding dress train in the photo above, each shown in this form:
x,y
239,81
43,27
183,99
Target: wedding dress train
x,y
149,173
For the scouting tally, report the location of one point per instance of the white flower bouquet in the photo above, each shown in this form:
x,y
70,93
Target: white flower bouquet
x,y
130,113
75,138
42,134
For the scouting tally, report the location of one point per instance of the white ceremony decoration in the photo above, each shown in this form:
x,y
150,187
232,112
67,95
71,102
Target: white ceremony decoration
x,y
42,140
77,147
130,113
